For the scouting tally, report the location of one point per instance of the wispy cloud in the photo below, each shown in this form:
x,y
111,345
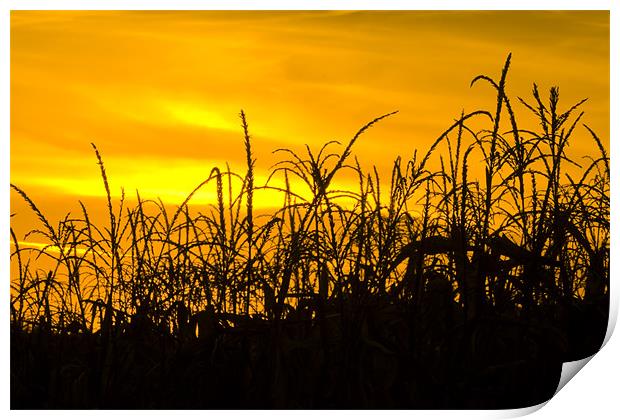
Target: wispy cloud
x,y
160,92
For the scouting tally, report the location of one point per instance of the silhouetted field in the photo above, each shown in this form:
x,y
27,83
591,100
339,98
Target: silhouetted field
x,y
436,289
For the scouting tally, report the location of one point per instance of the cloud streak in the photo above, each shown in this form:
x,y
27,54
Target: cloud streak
x,y
160,92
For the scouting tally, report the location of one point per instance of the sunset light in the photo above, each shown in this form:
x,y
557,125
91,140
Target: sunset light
x,y
160,92
306,209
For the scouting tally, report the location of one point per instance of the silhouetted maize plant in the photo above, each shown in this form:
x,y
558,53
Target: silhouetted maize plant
x,y
416,264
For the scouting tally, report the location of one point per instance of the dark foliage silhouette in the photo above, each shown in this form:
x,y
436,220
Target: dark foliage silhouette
x,y
437,290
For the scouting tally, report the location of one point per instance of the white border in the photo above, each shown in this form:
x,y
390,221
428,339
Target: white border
x,y
593,393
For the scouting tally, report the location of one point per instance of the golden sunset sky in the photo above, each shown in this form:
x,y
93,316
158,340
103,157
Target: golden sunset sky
x,y
160,92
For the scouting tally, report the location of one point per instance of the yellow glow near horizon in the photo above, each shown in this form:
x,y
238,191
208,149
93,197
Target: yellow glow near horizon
x,y
172,181
160,92
49,248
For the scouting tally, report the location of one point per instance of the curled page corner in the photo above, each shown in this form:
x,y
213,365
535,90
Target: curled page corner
x,y
519,412
569,370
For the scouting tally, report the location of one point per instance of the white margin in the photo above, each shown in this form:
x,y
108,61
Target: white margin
x,y
594,396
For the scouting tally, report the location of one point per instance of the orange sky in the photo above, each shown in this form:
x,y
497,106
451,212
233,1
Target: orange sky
x,y
160,92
